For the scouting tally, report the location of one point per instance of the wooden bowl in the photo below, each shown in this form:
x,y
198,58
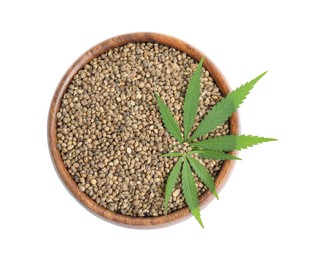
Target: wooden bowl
x,y
55,106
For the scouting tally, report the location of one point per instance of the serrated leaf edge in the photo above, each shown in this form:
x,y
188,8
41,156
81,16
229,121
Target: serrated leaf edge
x,y
171,182
191,100
194,209
168,119
224,102
203,144
195,164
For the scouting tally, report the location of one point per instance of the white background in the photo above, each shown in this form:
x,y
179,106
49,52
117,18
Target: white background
x,y
263,209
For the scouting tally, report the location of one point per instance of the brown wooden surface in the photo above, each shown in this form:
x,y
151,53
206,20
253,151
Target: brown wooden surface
x,y
55,106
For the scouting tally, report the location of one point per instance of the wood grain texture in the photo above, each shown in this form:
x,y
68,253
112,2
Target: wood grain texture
x,y
143,222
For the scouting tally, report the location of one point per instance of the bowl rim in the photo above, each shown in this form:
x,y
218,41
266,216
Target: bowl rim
x,y
64,175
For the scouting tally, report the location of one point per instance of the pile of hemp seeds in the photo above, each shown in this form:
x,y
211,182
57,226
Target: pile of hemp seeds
x,y
110,133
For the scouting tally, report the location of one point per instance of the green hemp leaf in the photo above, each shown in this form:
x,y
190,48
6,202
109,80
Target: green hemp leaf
x,y
210,148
